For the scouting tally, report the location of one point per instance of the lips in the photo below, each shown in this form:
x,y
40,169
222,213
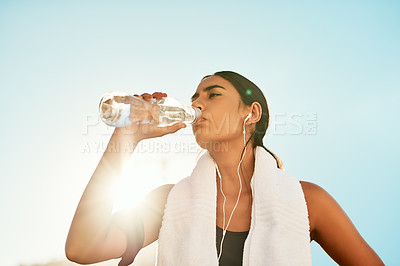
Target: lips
x,y
201,119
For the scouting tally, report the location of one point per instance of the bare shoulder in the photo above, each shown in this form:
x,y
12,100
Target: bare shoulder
x,y
333,230
320,202
160,193
156,199
315,194
312,194
320,205
309,187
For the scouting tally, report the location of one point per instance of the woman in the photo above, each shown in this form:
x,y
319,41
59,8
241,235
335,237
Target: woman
x,y
235,116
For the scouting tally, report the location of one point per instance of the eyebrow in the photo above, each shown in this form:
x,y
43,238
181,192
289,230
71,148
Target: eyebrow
x,y
196,95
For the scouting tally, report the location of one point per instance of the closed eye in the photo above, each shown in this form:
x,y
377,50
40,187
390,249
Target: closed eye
x,y
212,95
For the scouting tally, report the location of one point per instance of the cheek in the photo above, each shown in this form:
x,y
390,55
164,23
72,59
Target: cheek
x,y
220,125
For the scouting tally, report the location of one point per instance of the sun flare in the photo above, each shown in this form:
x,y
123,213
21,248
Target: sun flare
x,y
138,179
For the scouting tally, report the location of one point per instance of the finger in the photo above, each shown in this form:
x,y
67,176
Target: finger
x,y
147,96
158,95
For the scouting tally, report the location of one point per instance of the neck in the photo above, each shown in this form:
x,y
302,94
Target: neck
x,y
228,161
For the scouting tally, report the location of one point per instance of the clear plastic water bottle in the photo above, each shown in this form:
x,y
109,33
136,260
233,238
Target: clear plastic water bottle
x,y
120,109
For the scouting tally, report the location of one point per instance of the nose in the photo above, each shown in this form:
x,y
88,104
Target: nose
x,y
198,104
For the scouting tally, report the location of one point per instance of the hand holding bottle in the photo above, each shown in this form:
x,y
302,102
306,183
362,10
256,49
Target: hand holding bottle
x,y
139,116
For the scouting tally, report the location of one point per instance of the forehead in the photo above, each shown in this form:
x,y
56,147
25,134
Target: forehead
x,y
215,80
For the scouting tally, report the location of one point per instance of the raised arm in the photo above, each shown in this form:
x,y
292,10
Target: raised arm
x,y
333,230
95,234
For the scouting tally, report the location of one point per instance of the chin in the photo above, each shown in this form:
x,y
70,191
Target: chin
x,y
212,144
201,139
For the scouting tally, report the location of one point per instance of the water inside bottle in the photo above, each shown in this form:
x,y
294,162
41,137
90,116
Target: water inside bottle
x,y
120,109
171,114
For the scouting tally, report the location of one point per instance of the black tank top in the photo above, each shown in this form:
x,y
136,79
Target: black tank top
x,y
232,247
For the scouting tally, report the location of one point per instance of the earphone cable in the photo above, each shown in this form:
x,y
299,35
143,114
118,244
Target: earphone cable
x,y
224,229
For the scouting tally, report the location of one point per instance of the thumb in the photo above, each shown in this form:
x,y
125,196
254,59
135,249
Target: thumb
x,y
173,128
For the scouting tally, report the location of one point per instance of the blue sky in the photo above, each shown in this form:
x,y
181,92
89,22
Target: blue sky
x,y
329,70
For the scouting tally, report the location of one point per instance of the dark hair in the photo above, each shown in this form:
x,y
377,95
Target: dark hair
x,y
249,93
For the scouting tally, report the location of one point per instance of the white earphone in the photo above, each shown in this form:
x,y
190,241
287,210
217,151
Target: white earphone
x,y
247,118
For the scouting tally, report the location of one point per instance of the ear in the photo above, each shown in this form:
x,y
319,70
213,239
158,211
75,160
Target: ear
x,y
256,112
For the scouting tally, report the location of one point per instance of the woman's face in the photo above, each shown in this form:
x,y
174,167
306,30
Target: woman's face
x,y
223,112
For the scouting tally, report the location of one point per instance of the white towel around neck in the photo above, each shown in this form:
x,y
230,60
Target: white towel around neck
x,y
279,231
